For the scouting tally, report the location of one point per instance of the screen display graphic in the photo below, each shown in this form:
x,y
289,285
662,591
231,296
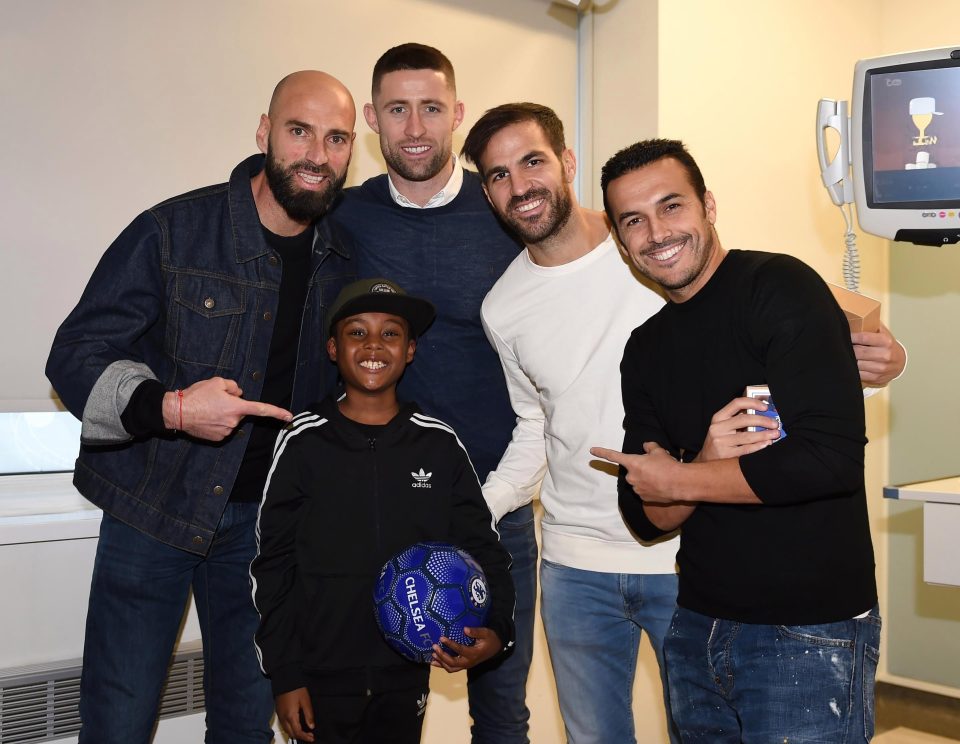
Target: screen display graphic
x,y
915,127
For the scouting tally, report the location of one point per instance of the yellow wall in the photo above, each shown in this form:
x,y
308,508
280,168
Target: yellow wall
x,y
739,82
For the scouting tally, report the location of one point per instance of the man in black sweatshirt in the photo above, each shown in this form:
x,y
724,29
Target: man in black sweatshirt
x,y
777,631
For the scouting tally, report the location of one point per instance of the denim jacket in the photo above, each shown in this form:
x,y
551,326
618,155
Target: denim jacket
x,y
188,291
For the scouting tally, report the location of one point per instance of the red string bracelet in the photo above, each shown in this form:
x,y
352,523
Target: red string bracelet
x,y
180,407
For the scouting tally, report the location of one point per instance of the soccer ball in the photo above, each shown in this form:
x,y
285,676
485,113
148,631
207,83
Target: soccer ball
x,y
429,590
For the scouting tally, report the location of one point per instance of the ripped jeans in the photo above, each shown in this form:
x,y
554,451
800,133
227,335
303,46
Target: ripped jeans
x,y
734,682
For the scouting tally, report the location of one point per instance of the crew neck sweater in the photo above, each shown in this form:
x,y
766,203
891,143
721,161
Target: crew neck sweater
x,y
560,331
804,555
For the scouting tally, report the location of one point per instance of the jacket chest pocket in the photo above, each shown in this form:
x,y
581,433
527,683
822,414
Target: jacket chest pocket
x,y
207,315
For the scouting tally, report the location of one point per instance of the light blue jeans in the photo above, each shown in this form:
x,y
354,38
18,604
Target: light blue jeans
x,y
593,622
734,682
137,600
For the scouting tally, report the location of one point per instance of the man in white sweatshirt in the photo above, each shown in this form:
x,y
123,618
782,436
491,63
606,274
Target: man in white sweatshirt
x,y
559,318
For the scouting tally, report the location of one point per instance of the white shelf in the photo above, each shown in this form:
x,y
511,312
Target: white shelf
x,y
942,491
941,525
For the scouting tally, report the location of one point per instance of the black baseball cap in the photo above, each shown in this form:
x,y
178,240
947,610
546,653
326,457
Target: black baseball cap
x,y
380,295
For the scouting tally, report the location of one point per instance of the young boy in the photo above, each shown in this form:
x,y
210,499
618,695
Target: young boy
x,y
338,503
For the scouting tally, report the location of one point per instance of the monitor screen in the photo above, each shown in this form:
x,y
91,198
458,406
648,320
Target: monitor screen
x,y
905,146
913,114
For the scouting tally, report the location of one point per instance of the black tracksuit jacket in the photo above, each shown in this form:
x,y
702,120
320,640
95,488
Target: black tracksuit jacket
x,y
337,505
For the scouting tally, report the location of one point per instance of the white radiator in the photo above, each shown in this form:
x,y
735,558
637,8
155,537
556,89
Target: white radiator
x,y
39,702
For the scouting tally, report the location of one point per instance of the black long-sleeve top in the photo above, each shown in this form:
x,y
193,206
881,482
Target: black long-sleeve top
x,y
339,502
804,555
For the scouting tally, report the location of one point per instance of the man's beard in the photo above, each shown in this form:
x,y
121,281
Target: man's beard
x,y
302,205
419,171
701,251
559,209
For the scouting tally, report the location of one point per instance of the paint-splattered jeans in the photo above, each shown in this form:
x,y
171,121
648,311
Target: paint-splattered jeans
x,y
734,682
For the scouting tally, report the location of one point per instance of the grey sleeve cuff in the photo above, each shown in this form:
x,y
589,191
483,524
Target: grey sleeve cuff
x,y
110,395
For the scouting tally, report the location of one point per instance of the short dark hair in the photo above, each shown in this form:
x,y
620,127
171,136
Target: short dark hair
x,y
412,56
643,153
503,116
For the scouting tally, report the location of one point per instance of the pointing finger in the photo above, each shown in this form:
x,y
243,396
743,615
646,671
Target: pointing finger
x,y
610,455
255,408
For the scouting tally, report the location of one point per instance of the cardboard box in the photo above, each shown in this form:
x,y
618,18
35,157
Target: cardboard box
x,y
863,313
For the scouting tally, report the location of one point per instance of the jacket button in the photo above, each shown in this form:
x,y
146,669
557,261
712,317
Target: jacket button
x,y
197,540
209,303
273,260
256,376
218,490
268,315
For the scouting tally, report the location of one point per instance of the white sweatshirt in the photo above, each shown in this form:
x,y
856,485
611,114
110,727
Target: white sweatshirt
x,y
560,333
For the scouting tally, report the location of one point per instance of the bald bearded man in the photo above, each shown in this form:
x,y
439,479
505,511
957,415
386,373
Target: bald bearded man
x,y
197,335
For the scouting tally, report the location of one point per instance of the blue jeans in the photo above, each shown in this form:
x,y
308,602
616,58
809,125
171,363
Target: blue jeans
x,y
137,601
734,682
498,689
593,623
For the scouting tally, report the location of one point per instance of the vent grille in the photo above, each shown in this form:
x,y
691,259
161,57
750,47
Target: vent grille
x,y
40,703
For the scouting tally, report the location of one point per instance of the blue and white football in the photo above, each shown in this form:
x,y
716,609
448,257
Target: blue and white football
x,y
429,590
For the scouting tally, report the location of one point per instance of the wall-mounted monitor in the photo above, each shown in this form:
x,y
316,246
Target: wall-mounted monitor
x,y
905,146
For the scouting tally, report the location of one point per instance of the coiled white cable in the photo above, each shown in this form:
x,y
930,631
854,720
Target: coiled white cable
x,y
851,258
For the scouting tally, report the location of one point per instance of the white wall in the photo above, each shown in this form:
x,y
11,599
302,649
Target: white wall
x,y
110,107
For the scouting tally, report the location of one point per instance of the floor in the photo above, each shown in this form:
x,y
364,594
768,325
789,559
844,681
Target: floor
x,y
910,716
909,736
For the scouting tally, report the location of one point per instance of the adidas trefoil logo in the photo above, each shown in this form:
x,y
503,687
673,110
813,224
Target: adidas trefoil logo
x,y
421,704
421,479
